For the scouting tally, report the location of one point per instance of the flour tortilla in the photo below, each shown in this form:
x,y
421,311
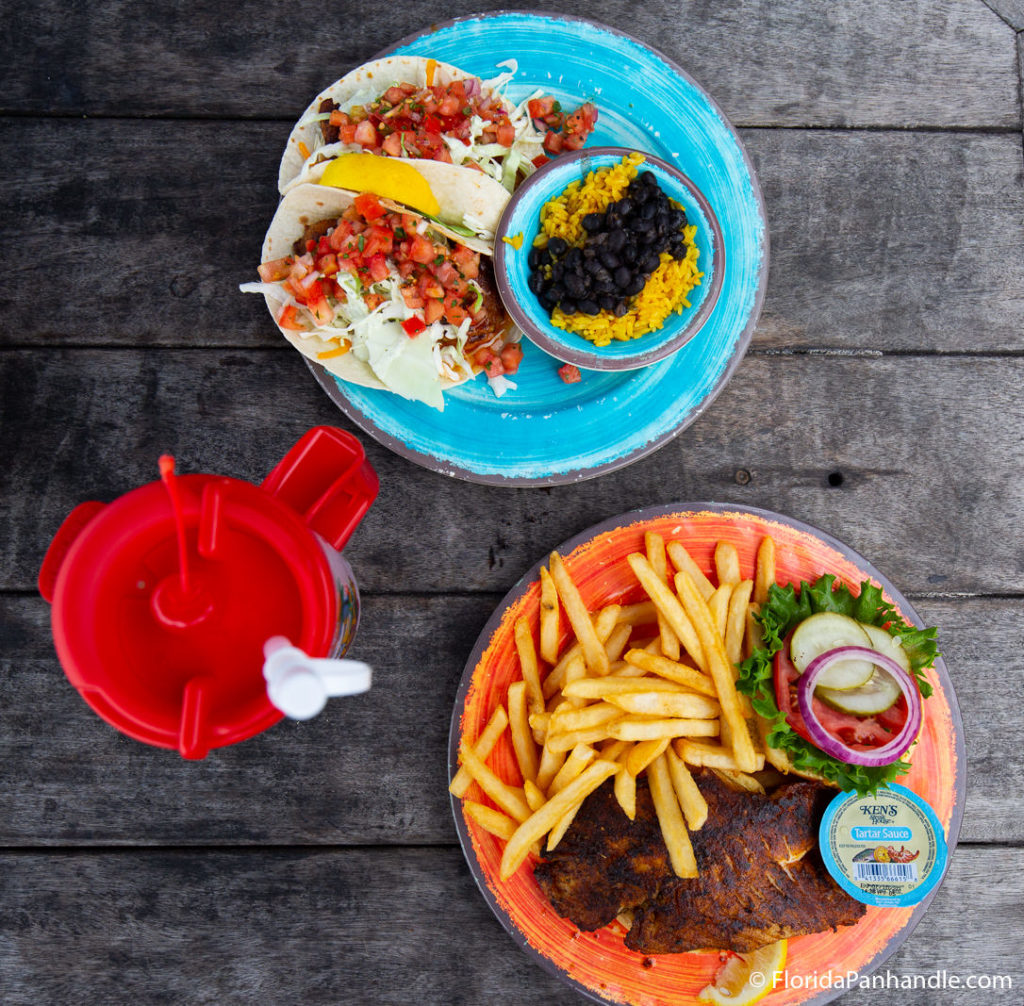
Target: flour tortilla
x,y
309,204
460,190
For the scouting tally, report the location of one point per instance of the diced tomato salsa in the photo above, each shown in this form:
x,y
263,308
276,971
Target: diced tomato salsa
x,y
368,241
410,121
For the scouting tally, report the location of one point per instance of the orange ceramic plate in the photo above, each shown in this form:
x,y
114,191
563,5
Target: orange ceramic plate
x,y
598,964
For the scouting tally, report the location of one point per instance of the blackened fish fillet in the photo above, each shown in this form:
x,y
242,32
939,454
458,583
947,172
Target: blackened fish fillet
x,y
761,878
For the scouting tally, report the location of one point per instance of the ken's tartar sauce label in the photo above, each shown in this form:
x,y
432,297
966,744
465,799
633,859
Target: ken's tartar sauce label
x,y
883,849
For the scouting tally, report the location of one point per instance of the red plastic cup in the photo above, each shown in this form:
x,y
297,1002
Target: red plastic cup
x,y
162,605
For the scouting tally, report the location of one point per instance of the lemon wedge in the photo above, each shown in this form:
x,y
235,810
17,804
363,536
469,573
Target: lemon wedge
x,y
385,176
747,978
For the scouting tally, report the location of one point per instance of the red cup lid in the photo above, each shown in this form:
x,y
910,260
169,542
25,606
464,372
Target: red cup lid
x,y
179,663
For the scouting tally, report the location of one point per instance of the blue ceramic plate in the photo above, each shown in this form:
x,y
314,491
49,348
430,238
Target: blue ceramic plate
x,y
546,432
521,220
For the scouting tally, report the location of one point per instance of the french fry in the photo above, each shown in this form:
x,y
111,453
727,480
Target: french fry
x,y
611,750
655,545
691,800
559,830
739,780
719,607
668,605
606,620
542,821
641,613
483,747
528,665
582,719
633,729
522,737
666,704
737,621
643,753
549,627
670,817
764,576
509,798
490,819
575,670
683,562
738,736
579,618
535,798
708,755
617,641
671,670
579,758
550,764
600,688
625,791
727,563
568,740
539,725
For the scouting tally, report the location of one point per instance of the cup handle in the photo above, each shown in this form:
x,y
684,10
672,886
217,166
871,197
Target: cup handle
x,y
326,479
74,524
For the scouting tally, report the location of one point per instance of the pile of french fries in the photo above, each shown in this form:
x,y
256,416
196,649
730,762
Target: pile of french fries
x,y
614,703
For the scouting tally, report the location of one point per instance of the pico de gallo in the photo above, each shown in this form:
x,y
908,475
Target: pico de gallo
x,y
842,704
383,283
459,122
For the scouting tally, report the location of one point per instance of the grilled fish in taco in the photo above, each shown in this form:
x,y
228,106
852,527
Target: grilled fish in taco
x,y
381,296
412,107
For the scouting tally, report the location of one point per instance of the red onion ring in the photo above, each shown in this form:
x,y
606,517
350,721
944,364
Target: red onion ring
x,y
889,752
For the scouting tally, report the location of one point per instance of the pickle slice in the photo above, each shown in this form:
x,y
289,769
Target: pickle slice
x,y
879,693
826,631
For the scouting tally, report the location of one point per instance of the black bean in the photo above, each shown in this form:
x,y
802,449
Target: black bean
x,y
628,254
620,309
635,287
609,260
574,284
648,210
637,223
598,240
587,307
647,178
678,219
556,292
622,277
616,240
651,262
592,222
533,258
589,254
557,246
607,302
535,281
567,306
573,258
624,206
593,266
557,271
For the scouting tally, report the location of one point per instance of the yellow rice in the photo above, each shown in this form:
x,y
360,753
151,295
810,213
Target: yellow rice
x,y
666,289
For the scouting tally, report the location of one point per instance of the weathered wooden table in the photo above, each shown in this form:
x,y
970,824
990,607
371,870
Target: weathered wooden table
x,y
880,400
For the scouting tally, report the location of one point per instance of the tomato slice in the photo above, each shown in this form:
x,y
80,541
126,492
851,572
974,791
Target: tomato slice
x,y
858,732
570,373
413,326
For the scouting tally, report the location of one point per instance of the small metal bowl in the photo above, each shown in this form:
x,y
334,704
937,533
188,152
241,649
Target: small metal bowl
x,y
521,222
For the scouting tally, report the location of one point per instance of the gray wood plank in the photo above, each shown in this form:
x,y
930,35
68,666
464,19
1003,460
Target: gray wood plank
x,y
372,769
920,443
795,64
389,927
880,240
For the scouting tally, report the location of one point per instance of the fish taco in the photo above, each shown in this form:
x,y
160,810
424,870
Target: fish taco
x,y
421,109
382,296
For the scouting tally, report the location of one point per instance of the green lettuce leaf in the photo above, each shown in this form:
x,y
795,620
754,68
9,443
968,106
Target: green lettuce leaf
x,y
785,608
